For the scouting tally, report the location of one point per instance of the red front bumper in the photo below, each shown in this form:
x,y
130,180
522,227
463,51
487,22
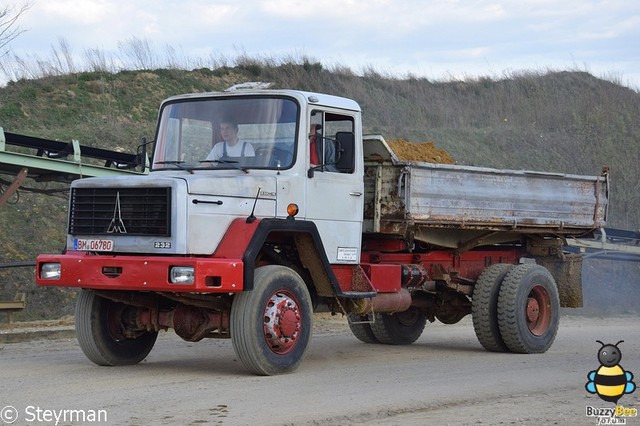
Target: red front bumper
x,y
142,273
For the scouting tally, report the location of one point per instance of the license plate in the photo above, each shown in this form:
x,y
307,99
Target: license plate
x,y
92,245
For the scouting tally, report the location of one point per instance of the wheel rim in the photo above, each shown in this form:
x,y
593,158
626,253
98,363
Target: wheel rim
x,y
538,310
282,322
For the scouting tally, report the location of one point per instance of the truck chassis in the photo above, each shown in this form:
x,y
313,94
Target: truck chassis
x,y
248,248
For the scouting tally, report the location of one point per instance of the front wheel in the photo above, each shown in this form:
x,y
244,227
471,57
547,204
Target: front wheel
x,y
528,309
104,332
271,324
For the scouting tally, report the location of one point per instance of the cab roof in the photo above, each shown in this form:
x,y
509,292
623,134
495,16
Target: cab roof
x,y
303,97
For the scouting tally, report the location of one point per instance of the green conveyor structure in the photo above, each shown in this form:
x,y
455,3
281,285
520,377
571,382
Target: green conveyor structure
x,y
43,160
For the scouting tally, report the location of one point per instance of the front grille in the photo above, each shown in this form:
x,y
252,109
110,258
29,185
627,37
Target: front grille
x,y
130,211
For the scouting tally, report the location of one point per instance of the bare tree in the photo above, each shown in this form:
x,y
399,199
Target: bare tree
x,y
9,16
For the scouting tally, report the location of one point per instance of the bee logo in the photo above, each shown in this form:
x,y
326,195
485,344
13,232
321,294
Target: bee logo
x,y
610,381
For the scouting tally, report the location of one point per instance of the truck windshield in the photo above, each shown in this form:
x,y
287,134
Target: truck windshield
x,y
235,132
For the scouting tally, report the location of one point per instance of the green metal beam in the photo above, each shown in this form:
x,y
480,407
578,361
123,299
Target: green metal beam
x,y
13,162
47,167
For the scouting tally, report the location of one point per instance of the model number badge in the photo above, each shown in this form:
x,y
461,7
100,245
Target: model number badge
x,y
162,244
347,254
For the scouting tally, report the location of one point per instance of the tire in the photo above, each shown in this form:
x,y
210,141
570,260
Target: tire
x,y
99,330
484,307
265,343
362,330
528,309
401,328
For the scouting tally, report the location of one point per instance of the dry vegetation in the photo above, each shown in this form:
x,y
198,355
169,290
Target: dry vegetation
x,y
570,122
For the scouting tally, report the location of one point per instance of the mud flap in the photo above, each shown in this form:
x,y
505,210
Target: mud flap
x,y
567,272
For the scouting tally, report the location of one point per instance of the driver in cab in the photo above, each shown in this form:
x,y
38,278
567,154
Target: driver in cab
x,y
231,145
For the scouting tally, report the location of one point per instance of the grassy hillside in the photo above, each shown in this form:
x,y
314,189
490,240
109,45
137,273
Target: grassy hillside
x,y
567,122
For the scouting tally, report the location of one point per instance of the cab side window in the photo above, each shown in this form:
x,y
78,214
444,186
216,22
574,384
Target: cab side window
x,y
332,142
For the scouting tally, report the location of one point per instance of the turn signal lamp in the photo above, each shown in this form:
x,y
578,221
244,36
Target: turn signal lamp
x,y
292,210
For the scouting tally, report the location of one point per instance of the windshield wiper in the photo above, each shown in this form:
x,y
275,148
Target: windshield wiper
x,y
233,164
178,164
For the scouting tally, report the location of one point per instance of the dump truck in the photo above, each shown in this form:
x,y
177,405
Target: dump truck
x,y
310,215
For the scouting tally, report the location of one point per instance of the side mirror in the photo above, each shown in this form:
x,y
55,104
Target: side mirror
x,y
345,151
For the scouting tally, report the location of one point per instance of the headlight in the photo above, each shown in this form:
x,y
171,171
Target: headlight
x,y
50,271
181,275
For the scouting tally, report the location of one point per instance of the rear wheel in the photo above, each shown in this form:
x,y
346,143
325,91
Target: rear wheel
x,y
271,325
484,307
360,326
401,328
528,309
105,334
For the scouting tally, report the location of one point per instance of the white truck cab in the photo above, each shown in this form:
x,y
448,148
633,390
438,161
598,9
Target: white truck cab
x,y
277,126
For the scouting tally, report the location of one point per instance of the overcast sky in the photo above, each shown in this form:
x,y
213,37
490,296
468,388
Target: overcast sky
x,y
424,38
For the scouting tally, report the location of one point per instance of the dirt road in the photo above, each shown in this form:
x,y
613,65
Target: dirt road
x,y
444,378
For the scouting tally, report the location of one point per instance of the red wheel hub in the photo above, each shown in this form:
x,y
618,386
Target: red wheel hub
x,y
282,322
538,310
533,310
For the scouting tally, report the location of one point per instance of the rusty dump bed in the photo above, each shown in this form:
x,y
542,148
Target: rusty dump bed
x,y
450,205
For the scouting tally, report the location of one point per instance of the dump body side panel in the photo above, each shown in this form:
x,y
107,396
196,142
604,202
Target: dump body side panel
x,y
464,200
487,198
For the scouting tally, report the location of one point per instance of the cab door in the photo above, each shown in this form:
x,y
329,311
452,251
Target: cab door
x,y
335,187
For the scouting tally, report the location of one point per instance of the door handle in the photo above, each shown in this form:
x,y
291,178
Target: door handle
x,y
355,194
